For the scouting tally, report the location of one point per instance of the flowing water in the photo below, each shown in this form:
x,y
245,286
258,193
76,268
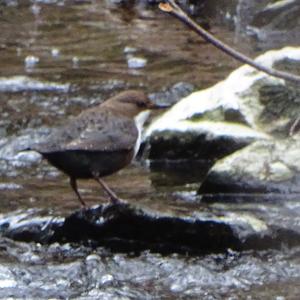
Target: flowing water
x,y
59,57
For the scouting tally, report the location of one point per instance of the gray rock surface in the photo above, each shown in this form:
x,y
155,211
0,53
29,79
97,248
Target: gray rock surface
x,y
264,166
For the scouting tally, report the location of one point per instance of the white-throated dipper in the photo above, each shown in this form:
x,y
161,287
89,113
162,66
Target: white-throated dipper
x,y
100,140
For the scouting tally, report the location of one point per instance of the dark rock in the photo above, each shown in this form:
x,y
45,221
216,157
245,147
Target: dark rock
x,y
123,228
126,229
204,142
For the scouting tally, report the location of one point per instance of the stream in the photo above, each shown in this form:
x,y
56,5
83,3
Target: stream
x,y
62,56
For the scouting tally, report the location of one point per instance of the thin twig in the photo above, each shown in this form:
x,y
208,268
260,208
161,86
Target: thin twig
x,y
172,8
294,126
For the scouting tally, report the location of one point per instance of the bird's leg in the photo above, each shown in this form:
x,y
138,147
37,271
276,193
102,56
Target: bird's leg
x,y
113,197
73,184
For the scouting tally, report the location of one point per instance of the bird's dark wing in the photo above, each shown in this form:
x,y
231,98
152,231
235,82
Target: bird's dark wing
x,y
91,133
115,134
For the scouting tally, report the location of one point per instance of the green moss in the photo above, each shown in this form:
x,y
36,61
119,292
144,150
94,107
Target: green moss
x,y
212,115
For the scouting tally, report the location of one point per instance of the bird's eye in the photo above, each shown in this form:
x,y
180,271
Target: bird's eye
x,y
141,104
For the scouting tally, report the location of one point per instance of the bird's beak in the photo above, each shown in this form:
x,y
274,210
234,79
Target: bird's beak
x,y
159,106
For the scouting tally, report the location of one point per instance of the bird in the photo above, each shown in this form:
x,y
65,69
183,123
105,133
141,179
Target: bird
x,y
99,141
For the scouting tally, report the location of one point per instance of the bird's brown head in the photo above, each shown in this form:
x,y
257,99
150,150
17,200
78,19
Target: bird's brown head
x,y
130,103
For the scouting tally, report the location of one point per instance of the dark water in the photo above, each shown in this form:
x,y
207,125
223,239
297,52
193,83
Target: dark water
x,y
72,55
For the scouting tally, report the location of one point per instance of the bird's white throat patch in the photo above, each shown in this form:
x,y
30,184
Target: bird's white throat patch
x,y
140,119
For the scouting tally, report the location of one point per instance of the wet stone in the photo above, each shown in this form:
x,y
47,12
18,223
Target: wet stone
x,y
263,167
124,228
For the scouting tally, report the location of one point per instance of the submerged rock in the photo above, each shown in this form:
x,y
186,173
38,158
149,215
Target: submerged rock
x,y
24,83
13,157
11,149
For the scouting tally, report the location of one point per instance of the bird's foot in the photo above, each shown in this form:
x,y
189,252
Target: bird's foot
x,y
115,208
116,200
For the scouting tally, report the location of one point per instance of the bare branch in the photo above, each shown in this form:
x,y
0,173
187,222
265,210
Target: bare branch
x,y
172,8
294,126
